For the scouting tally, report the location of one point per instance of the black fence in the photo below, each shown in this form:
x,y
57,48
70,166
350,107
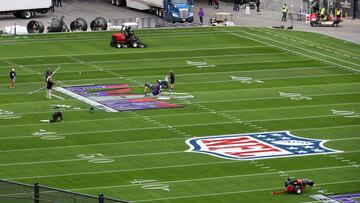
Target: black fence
x,y
13,192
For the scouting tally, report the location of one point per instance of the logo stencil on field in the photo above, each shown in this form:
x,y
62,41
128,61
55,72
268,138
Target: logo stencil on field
x,y
246,80
151,184
8,115
257,146
114,97
96,158
200,64
294,96
45,135
346,114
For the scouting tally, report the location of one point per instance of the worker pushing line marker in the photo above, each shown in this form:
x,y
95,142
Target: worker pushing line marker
x,y
33,92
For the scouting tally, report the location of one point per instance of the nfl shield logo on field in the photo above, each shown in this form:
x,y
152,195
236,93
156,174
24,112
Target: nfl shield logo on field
x,y
257,146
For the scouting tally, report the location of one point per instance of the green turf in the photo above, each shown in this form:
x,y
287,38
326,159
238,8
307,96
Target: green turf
x,y
148,161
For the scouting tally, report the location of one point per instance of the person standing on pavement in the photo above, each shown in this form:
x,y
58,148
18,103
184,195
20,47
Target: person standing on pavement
x,y
201,15
216,4
210,3
284,12
236,5
59,3
258,5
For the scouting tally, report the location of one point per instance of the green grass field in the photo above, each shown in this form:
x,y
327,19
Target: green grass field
x,y
148,160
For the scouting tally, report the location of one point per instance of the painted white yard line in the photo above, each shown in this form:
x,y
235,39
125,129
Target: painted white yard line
x,y
233,90
192,66
84,39
233,192
299,53
264,98
129,52
175,58
162,167
234,81
265,79
187,74
214,178
198,113
319,128
308,42
75,160
216,101
281,88
105,37
157,140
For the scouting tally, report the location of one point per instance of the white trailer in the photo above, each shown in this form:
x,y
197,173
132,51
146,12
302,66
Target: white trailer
x,y
171,10
25,8
140,4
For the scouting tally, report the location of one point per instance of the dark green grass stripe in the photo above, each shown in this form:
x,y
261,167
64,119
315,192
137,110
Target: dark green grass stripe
x,y
144,55
224,87
244,181
199,163
342,48
301,51
183,74
170,61
239,104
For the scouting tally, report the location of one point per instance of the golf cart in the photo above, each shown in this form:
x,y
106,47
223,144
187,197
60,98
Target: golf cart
x,y
126,39
315,20
222,19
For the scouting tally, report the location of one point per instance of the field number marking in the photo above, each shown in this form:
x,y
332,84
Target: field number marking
x,y
45,135
96,158
151,185
294,96
200,64
246,80
8,115
346,114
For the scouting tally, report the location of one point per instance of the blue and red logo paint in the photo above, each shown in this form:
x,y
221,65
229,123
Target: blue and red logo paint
x,y
258,146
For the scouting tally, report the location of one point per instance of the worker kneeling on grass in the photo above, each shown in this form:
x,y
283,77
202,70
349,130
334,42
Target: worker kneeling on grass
x,y
154,89
57,116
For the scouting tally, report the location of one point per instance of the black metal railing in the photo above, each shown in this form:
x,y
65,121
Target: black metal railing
x,y
14,192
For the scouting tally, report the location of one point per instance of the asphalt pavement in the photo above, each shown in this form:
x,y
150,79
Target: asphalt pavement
x,y
348,30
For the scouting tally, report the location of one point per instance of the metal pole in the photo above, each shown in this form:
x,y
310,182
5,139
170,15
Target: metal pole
x,y
101,198
36,193
355,6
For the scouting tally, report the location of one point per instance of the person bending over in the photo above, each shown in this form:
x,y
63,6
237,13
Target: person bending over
x,y
154,89
57,116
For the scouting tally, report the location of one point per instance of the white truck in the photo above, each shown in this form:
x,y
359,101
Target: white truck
x,y
25,8
171,10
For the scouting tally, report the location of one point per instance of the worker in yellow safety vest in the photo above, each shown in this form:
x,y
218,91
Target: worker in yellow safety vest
x,y
284,11
338,13
323,13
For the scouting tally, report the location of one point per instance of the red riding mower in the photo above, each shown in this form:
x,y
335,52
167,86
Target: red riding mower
x,y
126,39
296,186
328,21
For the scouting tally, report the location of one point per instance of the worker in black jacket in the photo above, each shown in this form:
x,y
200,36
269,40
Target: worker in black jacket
x,y
49,84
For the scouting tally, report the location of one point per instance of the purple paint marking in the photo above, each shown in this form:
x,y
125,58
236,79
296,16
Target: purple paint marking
x,y
346,198
121,99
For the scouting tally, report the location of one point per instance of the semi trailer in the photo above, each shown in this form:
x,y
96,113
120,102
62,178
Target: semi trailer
x,y
171,10
25,8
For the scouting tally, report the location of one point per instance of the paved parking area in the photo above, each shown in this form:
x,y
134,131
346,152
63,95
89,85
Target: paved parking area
x,y
90,9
